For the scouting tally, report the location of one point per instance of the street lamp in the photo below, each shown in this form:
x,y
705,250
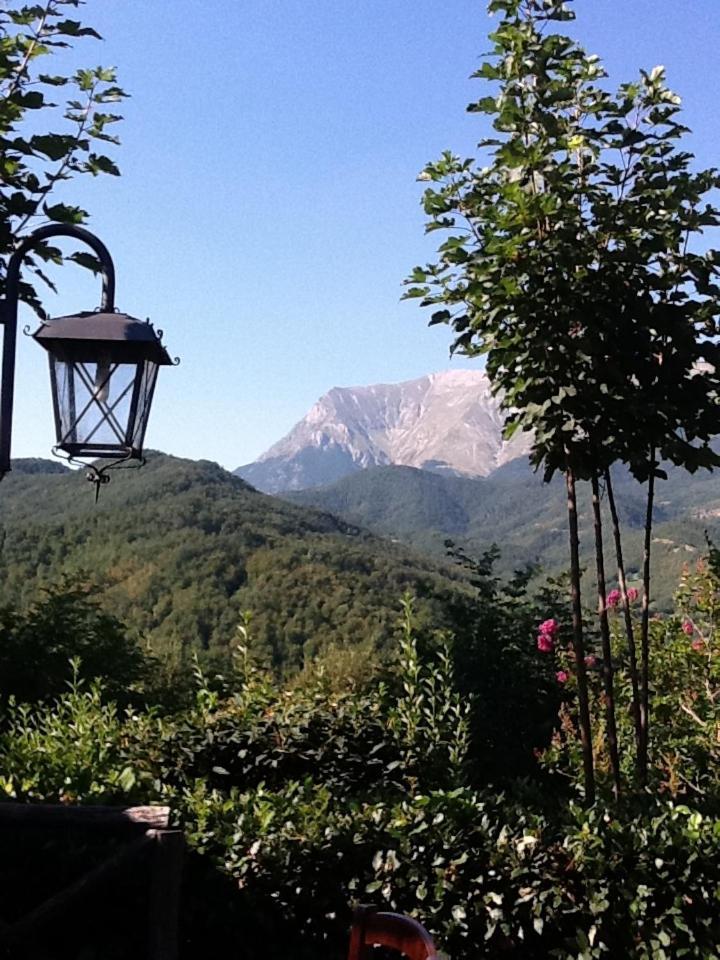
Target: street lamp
x,y
103,367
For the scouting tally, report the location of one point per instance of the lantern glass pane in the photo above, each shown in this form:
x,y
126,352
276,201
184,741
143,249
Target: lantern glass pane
x,y
145,390
94,403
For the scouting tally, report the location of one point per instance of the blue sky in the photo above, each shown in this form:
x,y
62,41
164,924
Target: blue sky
x,y
268,209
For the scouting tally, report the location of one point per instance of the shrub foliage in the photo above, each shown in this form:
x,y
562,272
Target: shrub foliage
x,y
370,785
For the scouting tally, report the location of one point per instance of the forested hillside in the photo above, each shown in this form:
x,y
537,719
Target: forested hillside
x,y
524,516
180,549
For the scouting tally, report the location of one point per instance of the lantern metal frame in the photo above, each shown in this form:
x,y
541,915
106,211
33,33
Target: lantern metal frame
x,y
137,331
122,348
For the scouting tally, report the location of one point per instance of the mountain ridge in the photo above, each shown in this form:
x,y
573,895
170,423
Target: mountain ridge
x,y
179,549
447,422
525,516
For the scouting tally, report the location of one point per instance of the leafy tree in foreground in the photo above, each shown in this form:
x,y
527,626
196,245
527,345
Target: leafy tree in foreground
x,y
43,143
512,692
66,624
569,267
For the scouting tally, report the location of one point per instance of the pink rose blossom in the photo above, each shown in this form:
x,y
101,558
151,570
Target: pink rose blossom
x,y
687,627
549,627
590,660
632,594
613,598
545,643
697,645
561,676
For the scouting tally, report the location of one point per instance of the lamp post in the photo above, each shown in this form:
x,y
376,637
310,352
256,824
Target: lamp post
x,y
103,366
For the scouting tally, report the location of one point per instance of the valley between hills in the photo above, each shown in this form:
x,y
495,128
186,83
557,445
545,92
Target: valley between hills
x,y
180,549
425,461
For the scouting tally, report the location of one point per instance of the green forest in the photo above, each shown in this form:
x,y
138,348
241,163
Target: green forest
x,y
179,549
522,755
513,507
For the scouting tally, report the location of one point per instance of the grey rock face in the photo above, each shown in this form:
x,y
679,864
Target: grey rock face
x,y
446,422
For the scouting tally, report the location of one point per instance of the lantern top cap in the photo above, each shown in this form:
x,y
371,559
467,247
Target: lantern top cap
x,y
103,329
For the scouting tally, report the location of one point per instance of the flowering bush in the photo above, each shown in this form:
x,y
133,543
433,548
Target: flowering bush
x,y
685,709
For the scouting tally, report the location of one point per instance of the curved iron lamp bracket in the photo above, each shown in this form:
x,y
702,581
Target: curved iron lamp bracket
x,y
9,314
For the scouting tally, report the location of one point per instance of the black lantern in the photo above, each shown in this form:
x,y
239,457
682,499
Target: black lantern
x,y
103,365
103,368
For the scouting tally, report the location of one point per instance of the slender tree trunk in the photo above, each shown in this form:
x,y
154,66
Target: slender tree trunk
x,y
629,629
645,633
608,672
578,645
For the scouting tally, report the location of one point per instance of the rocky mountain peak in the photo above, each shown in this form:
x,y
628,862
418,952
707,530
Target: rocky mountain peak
x,y
448,422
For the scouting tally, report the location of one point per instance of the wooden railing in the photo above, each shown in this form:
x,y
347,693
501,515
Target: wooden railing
x,y
145,842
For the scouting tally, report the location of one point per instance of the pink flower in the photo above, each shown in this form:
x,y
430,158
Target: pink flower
x,y
545,643
697,645
632,594
561,676
687,628
549,627
613,598
590,660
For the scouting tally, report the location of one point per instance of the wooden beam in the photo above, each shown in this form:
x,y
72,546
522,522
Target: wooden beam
x,y
57,815
164,906
30,922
